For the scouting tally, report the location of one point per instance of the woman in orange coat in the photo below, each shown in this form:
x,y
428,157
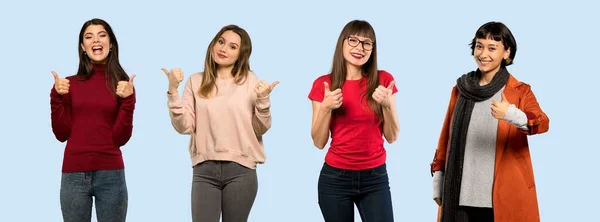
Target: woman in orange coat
x,y
482,167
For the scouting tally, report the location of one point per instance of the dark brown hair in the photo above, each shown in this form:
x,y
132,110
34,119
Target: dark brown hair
x,y
369,69
114,71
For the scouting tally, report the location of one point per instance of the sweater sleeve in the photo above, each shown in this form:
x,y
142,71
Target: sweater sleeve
x,y
123,127
261,120
516,117
182,110
60,107
261,115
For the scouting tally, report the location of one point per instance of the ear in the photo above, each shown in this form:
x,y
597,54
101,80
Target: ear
x,y
82,48
507,54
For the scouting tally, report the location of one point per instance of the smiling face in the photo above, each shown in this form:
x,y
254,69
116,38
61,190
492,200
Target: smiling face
x,y
489,54
226,49
357,50
96,43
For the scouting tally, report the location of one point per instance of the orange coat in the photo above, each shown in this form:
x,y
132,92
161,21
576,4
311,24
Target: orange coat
x,y
514,196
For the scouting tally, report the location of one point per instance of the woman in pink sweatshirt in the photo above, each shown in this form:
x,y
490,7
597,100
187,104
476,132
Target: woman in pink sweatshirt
x,y
225,110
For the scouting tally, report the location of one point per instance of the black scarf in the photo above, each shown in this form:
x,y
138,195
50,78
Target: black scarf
x,y
470,92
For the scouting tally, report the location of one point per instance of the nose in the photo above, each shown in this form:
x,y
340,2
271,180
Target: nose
x,y
360,46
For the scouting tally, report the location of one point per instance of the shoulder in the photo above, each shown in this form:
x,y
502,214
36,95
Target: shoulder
x,y
323,78
383,74
522,87
252,77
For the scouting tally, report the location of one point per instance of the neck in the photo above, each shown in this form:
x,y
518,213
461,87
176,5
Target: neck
x,y
224,72
486,77
353,72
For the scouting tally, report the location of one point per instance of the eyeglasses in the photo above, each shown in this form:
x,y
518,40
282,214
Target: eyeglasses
x,y
366,45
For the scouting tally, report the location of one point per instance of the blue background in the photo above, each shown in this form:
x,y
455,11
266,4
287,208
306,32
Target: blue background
x,y
424,44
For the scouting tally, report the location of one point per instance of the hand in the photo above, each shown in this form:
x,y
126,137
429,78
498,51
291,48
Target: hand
x,y
175,77
125,88
263,89
332,99
499,108
383,95
61,85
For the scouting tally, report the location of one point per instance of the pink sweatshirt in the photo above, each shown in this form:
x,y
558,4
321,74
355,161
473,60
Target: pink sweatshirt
x,y
228,126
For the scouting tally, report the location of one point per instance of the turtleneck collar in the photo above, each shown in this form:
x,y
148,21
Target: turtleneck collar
x,y
99,68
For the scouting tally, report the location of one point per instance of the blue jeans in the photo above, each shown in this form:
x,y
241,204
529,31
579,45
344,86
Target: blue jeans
x,y
369,189
106,186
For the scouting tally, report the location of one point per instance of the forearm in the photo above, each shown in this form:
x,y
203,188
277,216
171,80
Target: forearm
x,y
391,127
261,120
320,129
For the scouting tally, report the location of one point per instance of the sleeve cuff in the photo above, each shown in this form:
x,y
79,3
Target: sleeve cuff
x,y
263,103
438,184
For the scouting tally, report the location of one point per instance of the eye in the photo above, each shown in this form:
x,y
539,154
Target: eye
x,y
478,46
353,40
103,35
233,47
492,49
88,37
368,44
220,41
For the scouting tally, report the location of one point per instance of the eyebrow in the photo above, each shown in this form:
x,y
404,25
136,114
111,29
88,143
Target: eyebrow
x,y
233,43
364,40
100,32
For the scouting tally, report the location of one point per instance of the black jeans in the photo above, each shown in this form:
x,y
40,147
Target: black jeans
x,y
369,189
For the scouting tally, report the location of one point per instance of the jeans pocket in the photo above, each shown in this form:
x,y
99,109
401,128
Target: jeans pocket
x,y
332,172
379,171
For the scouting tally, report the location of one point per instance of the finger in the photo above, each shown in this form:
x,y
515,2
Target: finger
x,y
55,75
503,97
391,85
273,85
337,91
131,79
166,71
326,87
494,102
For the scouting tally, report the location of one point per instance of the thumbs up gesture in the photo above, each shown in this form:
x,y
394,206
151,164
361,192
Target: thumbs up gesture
x,y
175,77
125,88
60,85
263,89
499,108
382,95
332,99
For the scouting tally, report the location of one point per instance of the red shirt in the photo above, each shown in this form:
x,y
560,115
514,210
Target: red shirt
x,y
356,136
94,122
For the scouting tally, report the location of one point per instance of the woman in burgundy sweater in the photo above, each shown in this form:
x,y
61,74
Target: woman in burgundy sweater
x,y
93,112
356,103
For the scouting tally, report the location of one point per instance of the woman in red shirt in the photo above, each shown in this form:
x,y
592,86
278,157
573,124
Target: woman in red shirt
x,y
356,103
93,112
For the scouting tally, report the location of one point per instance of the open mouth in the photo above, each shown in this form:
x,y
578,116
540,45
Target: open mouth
x,y
97,50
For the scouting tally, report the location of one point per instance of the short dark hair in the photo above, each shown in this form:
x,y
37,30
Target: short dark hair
x,y
498,32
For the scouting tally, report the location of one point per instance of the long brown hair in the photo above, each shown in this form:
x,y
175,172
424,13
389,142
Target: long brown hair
x,y
241,67
369,69
114,71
